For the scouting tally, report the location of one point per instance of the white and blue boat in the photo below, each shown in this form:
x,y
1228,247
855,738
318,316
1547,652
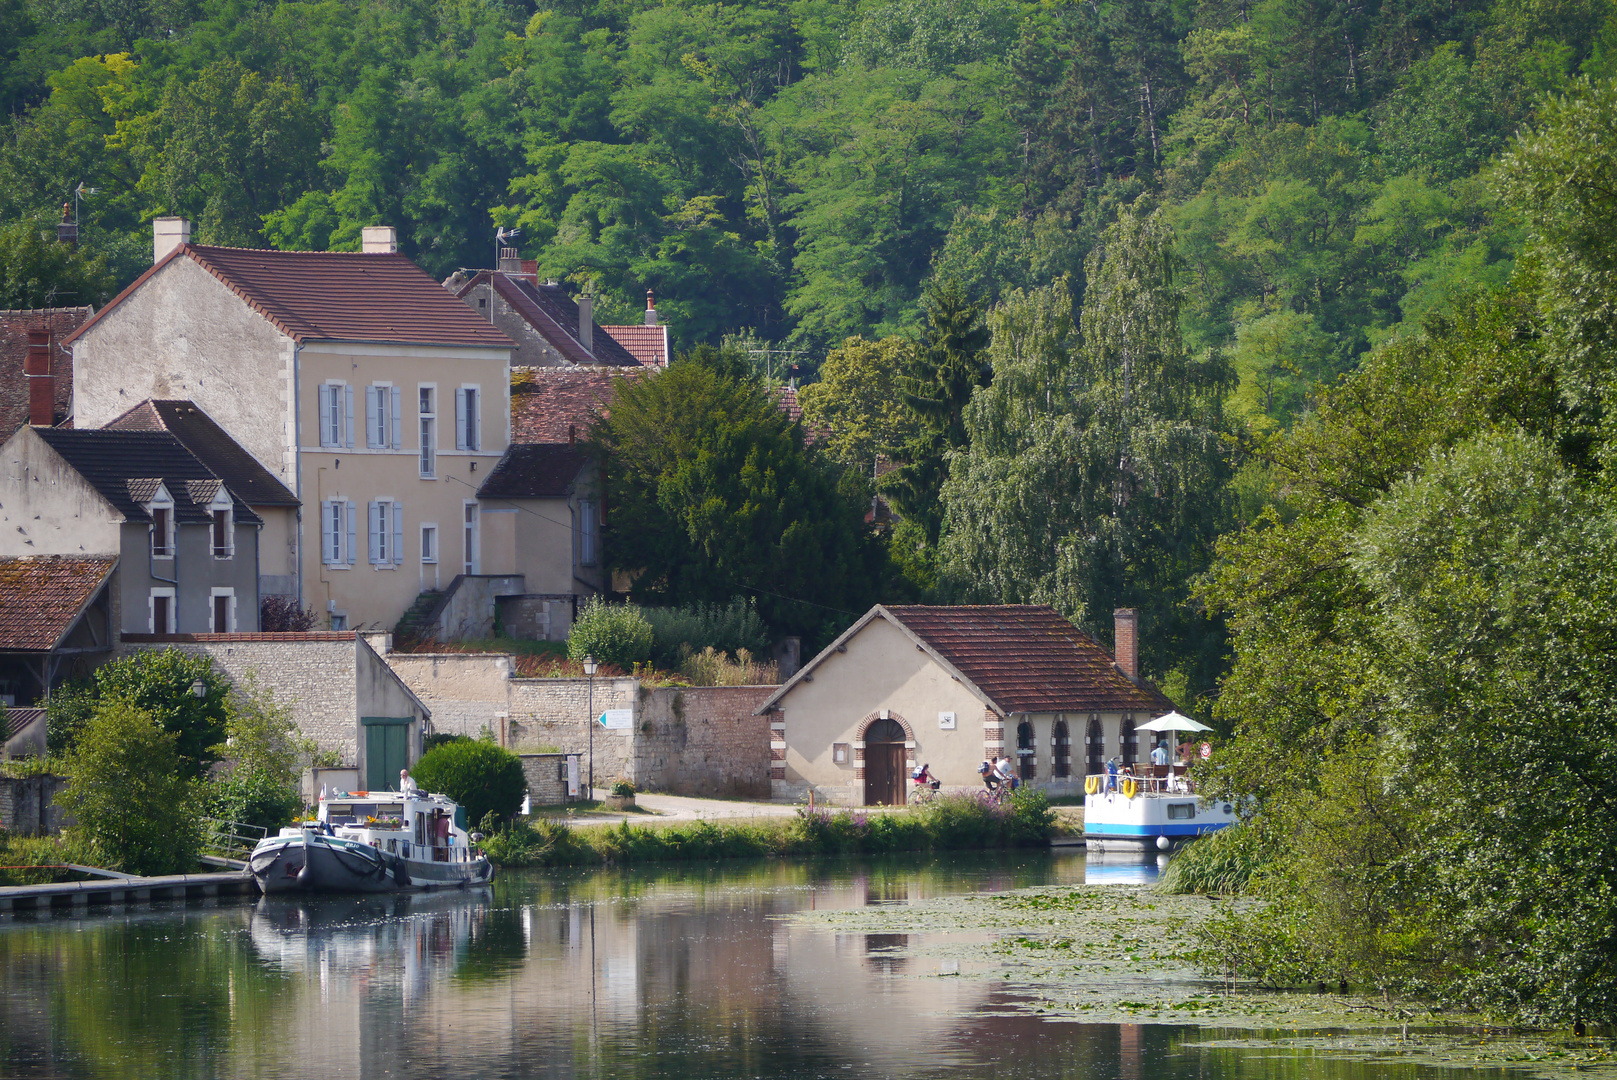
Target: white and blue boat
x,y
1154,810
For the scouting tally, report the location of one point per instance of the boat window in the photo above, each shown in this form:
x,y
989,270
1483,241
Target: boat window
x,y
1181,811
339,808
388,810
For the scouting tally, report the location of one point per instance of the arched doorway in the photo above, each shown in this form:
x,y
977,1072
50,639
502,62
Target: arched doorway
x,y
884,764
1131,741
1095,748
1027,753
1061,745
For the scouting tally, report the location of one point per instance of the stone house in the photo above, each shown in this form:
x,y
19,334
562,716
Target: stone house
x,y
550,328
379,400
950,687
186,546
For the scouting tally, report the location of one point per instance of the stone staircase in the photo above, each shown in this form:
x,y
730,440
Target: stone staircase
x,y
418,622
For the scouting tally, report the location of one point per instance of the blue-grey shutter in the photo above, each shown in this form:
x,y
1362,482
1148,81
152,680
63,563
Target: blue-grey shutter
x,y
373,531
397,415
348,415
353,541
398,533
328,534
325,415
460,419
373,416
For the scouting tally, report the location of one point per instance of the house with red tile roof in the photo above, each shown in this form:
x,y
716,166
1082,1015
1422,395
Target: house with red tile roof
x,y
57,620
950,687
376,398
36,368
549,327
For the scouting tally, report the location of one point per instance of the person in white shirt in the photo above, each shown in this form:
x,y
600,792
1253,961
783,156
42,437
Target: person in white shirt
x,y
407,784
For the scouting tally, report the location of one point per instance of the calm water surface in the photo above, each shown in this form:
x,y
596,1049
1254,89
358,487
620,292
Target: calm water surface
x,y
687,972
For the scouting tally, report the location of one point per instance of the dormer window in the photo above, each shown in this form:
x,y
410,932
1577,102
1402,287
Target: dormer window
x,y
159,506
222,526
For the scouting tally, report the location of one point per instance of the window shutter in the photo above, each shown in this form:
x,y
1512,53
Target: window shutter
x,y
325,414
353,544
460,419
397,414
398,533
373,532
348,416
373,416
474,437
328,533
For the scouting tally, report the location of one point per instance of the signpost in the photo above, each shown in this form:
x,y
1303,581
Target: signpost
x,y
616,719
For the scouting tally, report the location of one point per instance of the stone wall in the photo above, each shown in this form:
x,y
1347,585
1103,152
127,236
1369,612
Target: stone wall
x,y
702,741
547,778
27,805
556,714
470,607
536,616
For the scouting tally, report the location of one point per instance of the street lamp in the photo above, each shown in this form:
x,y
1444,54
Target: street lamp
x,y
589,670
199,689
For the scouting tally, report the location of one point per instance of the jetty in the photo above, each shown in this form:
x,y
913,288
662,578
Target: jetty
x,y
15,899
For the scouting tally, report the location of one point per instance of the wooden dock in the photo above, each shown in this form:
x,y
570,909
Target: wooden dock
x,y
135,890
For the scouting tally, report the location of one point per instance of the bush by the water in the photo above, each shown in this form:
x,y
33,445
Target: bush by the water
x,y
1222,862
612,633
49,853
483,778
957,822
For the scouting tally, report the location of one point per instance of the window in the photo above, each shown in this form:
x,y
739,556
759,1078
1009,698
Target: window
x,y
339,620
1183,811
160,611
429,543
382,419
428,408
586,532
336,415
337,548
222,526
471,539
386,530
467,425
162,533
224,611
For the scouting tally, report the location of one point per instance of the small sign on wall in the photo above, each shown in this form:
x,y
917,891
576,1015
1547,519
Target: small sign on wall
x,y
839,753
946,721
617,719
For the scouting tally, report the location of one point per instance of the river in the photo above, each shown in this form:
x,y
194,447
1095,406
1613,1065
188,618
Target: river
x,y
673,972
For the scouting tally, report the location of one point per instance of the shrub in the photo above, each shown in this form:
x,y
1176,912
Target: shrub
x,y
727,628
282,615
134,806
483,778
66,713
612,633
1218,862
159,684
622,788
712,668
251,797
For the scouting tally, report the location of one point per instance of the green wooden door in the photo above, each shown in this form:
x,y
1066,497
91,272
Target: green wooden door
x,y
387,750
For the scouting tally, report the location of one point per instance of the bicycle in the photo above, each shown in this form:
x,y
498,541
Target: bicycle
x,y
924,794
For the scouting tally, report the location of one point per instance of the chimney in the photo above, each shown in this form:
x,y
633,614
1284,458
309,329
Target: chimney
x,y
379,240
168,233
67,231
651,309
36,369
510,262
530,270
1126,641
586,323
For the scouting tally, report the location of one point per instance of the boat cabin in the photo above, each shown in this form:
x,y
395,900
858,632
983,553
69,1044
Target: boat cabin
x,y
415,826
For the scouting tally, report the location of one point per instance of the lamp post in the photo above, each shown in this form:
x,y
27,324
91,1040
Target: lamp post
x,y
589,670
199,689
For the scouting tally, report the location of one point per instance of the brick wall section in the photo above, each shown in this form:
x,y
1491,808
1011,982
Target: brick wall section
x,y
703,741
27,805
547,783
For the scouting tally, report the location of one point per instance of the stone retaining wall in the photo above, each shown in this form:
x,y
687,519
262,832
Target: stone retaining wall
x,y
27,805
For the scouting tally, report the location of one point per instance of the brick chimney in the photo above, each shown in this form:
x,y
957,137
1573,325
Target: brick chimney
x,y
651,309
379,240
168,233
36,369
1126,640
586,323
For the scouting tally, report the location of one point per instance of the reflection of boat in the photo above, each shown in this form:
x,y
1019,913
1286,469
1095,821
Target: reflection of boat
x,y
372,842
1129,868
1127,813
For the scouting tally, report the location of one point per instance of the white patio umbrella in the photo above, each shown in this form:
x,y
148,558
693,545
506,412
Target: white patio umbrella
x,y
1173,721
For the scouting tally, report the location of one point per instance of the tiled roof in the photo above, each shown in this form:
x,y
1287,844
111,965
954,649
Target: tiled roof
x,y
1028,658
118,464
554,314
14,719
14,327
534,471
1020,658
213,446
647,344
558,405
336,296
42,596
786,397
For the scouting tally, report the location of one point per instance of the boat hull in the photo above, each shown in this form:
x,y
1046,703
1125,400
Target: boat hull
x,y
321,864
1149,822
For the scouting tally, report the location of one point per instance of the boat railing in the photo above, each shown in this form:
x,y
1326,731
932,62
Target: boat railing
x,y
1165,780
230,839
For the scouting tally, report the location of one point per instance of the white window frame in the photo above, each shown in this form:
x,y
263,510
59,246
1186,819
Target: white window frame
x,y
384,421
427,429
471,535
222,504
162,501
429,548
338,529
588,533
166,592
384,531
468,417
336,409
230,615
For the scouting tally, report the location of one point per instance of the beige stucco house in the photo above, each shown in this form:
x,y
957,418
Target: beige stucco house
x,y
376,397
950,687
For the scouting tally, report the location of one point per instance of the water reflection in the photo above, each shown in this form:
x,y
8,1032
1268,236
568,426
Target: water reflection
x,y
688,972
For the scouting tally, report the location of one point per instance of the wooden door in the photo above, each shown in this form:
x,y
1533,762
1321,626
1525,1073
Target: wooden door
x,y
884,774
387,750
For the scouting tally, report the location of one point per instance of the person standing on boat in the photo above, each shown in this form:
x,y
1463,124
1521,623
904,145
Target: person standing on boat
x,y
407,783
1159,754
1111,774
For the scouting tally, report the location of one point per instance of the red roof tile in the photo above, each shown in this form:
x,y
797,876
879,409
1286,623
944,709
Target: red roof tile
x,y
647,344
14,327
337,296
1028,658
42,596
558,405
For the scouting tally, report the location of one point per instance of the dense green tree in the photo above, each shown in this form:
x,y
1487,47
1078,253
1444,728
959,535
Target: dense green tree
x,y
853,410
37,271
160,684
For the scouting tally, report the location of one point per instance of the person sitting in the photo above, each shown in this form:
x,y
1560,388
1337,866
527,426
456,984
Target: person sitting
x,y
1006,774
407,783
989,774
923,778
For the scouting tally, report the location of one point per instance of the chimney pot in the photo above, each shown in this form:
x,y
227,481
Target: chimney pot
x,y
586,323
36,369
379,240
168,233
1126,641
651,309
